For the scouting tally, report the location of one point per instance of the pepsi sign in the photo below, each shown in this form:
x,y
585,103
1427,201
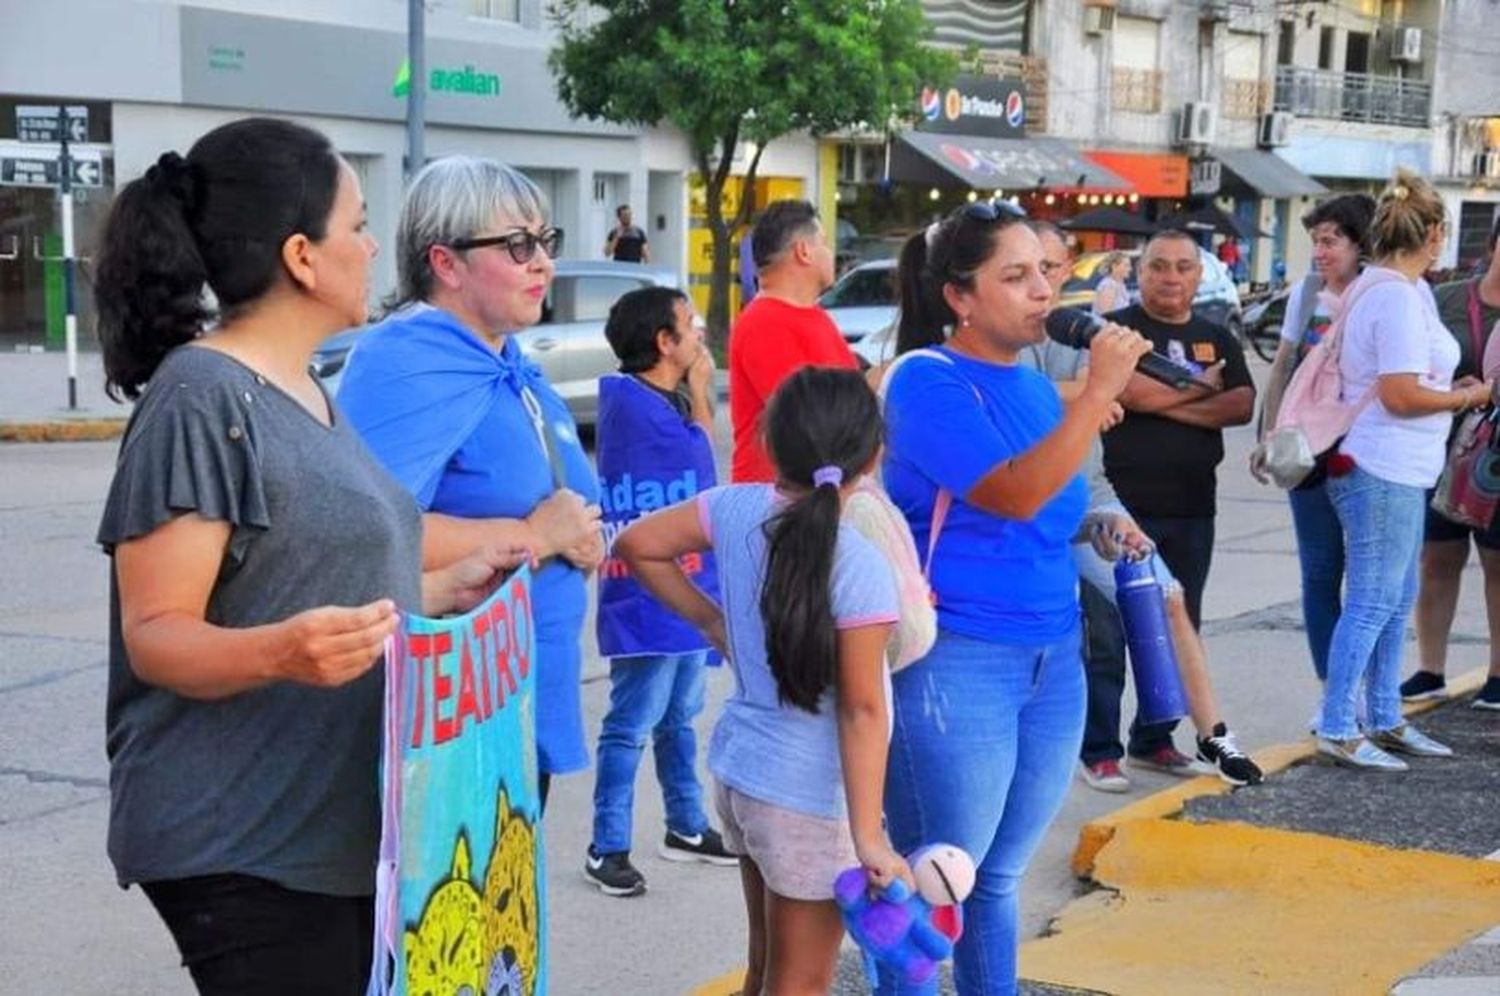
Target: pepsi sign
x,y
974,105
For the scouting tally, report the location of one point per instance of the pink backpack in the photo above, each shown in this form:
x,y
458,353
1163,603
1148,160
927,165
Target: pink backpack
x,y
1314,413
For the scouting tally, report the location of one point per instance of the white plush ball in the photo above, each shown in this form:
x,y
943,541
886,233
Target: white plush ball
x,y
944,874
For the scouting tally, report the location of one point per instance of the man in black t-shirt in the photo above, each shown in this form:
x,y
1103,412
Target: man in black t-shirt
x,y
1162,458
627,241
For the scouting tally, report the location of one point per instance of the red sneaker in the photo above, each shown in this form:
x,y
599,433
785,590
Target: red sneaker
x,y
1105,776
1169,761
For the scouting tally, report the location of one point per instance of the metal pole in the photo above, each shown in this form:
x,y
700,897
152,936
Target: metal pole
x,y
70,317
416,90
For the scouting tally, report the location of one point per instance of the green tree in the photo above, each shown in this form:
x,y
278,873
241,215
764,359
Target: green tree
x,y
730,71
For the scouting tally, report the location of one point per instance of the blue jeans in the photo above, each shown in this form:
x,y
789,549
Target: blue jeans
x,y
1382,524
982,756
1320,553
657,697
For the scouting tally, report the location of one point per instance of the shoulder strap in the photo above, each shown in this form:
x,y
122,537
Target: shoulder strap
x,y
544,436
1476,321
1335,336
1307,302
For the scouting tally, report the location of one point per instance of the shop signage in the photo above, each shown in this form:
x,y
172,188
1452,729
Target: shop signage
x,y
467,81
1205,176
974,105
42,123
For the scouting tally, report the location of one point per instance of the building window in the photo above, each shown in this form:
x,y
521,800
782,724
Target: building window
x,y
496,10
1357,52
1325,47
1135,82
1245,98
1286,43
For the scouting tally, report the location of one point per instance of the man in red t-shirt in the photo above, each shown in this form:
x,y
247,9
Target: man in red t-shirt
x,y
783,329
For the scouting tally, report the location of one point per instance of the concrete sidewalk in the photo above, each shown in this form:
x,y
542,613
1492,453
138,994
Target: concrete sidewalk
x,y
34,399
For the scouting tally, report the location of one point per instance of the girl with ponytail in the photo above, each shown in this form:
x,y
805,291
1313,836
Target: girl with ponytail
x,y
799,751
259,557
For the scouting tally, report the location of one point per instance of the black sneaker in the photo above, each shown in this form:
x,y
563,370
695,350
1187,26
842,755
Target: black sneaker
x,y
1234,765
1489,695
707,847
1422,686
613,873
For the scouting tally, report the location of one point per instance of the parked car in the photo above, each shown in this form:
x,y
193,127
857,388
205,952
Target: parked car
x,y
1218,299
568,343
863,300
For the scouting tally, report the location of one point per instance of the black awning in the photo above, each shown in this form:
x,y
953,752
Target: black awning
x,y
996,163
1267,174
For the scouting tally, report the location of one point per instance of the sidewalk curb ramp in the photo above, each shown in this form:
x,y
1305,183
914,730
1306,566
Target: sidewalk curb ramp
x,y
1224,907
63,430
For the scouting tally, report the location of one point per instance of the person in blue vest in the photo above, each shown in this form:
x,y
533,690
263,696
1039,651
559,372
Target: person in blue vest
x,y
655,448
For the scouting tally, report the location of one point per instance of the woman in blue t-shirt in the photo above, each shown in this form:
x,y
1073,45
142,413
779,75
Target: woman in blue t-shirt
x,y
988,724
799,752
442,394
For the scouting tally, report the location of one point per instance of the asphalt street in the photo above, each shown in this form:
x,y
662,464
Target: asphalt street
x,y
67,927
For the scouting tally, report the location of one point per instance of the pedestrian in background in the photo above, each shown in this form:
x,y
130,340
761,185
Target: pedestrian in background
x,y
1394,349
783,329
1162,459
1469,310
1339,228
442,395
248,606
799,752
988,724
1112,294
654,448
627,242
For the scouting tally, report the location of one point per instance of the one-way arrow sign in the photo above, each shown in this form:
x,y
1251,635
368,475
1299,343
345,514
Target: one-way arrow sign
x,y
39,171
39,123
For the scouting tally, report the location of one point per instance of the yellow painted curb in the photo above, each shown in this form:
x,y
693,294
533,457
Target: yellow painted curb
x,y
62,430
728,984
1229,908
1095,835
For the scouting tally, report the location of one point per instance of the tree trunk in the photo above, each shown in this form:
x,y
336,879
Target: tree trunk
x,y
723,253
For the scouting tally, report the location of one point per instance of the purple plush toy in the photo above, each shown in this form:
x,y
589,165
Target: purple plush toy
x,y
911,933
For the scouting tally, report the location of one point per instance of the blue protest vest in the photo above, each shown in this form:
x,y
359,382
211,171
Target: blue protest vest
x,y
649,457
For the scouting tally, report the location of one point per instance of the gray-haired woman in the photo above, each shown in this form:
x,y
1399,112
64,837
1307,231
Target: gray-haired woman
x,y
441,393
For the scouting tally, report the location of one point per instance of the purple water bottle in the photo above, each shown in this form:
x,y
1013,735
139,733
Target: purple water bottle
x,y
1153,661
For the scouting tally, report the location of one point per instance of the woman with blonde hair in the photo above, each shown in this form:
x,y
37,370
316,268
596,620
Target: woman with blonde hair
x,y
1112,294
1397,356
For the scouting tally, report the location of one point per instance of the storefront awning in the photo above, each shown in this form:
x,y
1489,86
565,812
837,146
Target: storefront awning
x,y
1267,174
1151,174
997,163
1355,158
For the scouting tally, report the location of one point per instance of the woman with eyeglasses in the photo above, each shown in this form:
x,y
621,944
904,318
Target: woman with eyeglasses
x,y
259,558
988,724
442,394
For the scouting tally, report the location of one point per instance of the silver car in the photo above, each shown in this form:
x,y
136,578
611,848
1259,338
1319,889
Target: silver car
x,y
568,343
863,300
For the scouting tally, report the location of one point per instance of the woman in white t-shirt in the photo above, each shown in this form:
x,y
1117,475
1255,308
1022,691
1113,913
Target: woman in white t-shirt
x,y
1395,346
1112,294
1339,228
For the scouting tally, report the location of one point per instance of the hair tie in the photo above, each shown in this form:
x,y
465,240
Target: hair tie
x,y
177,178
1400,192
829,475
930,235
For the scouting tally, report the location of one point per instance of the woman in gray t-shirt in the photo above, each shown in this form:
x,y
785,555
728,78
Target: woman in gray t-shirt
x,y
260,557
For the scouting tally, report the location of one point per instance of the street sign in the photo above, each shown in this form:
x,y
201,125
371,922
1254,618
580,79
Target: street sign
x,y
1205,177
41,171
39,123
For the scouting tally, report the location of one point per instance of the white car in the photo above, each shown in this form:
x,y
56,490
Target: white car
x,y
863,300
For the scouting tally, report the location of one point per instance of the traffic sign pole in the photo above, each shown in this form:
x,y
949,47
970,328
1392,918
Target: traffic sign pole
x,y
70,315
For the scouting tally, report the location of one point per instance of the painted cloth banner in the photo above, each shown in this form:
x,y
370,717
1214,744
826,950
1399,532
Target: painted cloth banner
x,y
649,457
460,896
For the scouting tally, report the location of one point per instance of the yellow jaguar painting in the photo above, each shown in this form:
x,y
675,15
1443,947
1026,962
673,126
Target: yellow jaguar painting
x,y
473,942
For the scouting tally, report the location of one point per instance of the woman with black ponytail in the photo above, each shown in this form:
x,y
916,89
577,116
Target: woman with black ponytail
x,y
983,459
259,558
799,751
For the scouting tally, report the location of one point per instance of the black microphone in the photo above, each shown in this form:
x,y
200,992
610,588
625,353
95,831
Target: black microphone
x,y
1075,328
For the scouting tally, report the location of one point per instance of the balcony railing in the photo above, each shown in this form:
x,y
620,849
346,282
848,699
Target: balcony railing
x,y
1136,90
1320,93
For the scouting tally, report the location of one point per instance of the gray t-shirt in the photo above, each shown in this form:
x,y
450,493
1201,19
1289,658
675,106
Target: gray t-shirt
x,y
1059,363
280,782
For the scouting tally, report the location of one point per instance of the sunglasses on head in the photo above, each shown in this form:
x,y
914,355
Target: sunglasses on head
x,y
521,245
991,210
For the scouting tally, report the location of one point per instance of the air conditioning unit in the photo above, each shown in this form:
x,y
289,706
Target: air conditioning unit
x,y
1406,45
1487,164
1098,20
1197,124
1275,129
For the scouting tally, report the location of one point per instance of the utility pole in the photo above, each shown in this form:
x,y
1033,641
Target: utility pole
x,y
416,91
70,312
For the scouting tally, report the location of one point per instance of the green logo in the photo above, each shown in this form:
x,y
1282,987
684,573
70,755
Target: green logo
x,y
468,81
